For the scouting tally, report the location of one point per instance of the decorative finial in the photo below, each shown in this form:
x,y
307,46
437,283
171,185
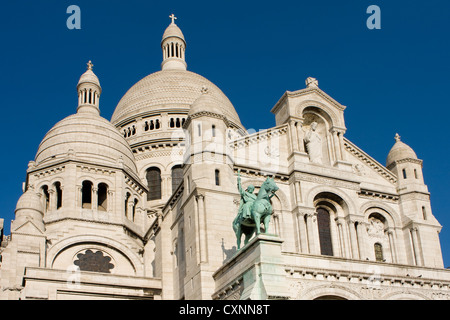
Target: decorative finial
x,y
172,16
312,82
397,137
90,65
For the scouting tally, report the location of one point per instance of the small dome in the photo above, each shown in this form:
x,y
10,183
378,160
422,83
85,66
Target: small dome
x,y
29,201
90,138
89,76
400,151
173,31
207,103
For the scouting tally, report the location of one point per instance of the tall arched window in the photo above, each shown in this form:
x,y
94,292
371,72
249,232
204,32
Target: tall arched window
x,y
378,252
154,184
217,176
323,221
46,198
177,177
58,191
86,195
127,198
102,197
135,204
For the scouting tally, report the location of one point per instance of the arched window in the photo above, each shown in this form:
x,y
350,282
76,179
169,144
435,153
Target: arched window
x,y
102,197
135,204
157,125
86,195
199,127
217,176
323,222
213,131
127,198
404,173
154,184
58,191
378,252
177,177
46,198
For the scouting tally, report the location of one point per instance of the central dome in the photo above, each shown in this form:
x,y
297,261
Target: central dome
x,y
169,89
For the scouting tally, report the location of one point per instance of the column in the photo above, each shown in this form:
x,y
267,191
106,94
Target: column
x,y
353,240
313,233
202,228
110,201
300,137
294,139
361,235
51,199
337,148
341,145
416,246
94,199
302,233
392,245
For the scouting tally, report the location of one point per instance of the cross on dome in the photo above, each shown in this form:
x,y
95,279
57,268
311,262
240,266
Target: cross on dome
x,y
397,137
90,65
172,16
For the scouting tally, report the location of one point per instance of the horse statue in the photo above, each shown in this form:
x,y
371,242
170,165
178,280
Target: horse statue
x,y
253,210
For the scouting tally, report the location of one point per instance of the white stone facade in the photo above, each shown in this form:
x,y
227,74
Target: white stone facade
x,y
141,207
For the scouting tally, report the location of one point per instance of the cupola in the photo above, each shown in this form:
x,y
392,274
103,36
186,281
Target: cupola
x,y
174,48
89,91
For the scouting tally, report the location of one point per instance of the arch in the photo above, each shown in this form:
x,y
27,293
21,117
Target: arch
x,y
329,290
127,199
392,217
311,195
328,113
153,175
46,198
89,240
102,196
86,194
177,176
58,193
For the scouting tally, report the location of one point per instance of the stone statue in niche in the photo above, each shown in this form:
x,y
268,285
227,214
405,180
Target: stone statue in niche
x,y
313,143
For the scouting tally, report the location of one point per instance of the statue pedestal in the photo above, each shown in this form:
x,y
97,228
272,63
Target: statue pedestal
x,y
256,272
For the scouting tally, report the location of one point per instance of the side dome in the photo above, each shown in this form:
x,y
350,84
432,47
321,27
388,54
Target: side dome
x,y
206,103
168,90
90,138
30,201
399,151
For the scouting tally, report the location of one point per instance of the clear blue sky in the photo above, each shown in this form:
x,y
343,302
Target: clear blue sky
x,y
392,80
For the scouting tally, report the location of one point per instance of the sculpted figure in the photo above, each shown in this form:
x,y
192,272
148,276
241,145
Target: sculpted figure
x,y
247,199
313,144
254,210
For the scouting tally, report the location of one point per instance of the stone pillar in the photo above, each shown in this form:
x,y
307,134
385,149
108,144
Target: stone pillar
x,y
313,233
201,220
361,233
302,233
354,240
294,139
417,250
94,198
51,199
300,137
392,246
337,147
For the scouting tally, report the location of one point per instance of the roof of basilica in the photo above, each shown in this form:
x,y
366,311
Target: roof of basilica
x,y
169,89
